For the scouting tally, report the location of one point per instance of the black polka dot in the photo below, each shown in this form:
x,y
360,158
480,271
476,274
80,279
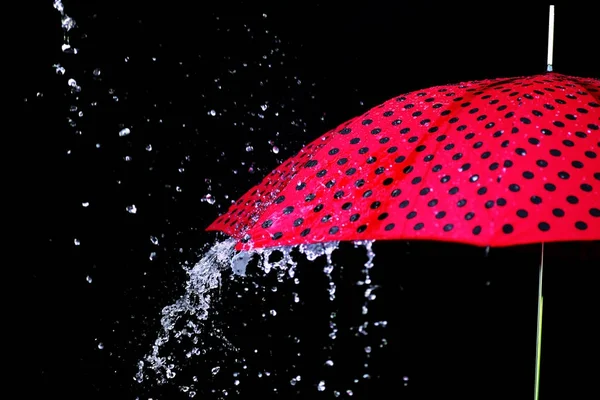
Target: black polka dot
x,y
361,228
563,175
507,228
290,209
411,215
577,164
544,226
334,230
396,192
305,232
520,151
535,199
469,216
389,227
346,206
382,216
440,215
448,227
572,199
298,222
528,175
522,213
582,226
388,181
267,224
404,204
558,212
513,187
595,212
477,230
317,208
277,235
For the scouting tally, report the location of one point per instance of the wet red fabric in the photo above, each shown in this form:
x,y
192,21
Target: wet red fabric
x,y
494,162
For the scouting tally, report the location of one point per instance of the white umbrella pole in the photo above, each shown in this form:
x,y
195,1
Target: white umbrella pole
x,y
550,38
538,344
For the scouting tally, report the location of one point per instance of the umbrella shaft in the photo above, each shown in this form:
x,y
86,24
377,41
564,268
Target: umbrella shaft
x,y
538,345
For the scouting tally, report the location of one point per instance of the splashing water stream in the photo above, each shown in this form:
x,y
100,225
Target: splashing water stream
x,y
186,316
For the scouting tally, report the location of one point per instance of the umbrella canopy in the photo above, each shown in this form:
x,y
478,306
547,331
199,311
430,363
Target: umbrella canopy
x,y
493,162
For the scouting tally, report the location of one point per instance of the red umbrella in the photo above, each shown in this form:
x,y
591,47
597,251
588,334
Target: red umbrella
x,y
494,162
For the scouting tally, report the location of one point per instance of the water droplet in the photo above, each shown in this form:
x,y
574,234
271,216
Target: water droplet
x,y
85,204
152,256
275,149
88,279
212,113
96,72
101,345
264,107
209,199
329,363
59,69
149,147
76,241
72,82
131,209
154,240
249,149
124,132
273,312
321,386
215,370
67,23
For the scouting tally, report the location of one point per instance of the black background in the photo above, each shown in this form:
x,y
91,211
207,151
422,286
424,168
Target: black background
x,y
459,322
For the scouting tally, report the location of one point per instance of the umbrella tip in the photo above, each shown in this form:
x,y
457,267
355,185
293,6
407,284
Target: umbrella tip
x,y
550,39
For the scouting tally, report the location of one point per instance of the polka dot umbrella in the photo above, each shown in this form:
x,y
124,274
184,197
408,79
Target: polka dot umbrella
x,y
494,162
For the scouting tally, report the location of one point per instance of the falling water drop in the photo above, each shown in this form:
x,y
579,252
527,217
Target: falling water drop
x,y
132,209
321,386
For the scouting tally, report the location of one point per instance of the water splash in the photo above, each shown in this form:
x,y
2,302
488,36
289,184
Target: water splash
x,y
186,317
195,303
